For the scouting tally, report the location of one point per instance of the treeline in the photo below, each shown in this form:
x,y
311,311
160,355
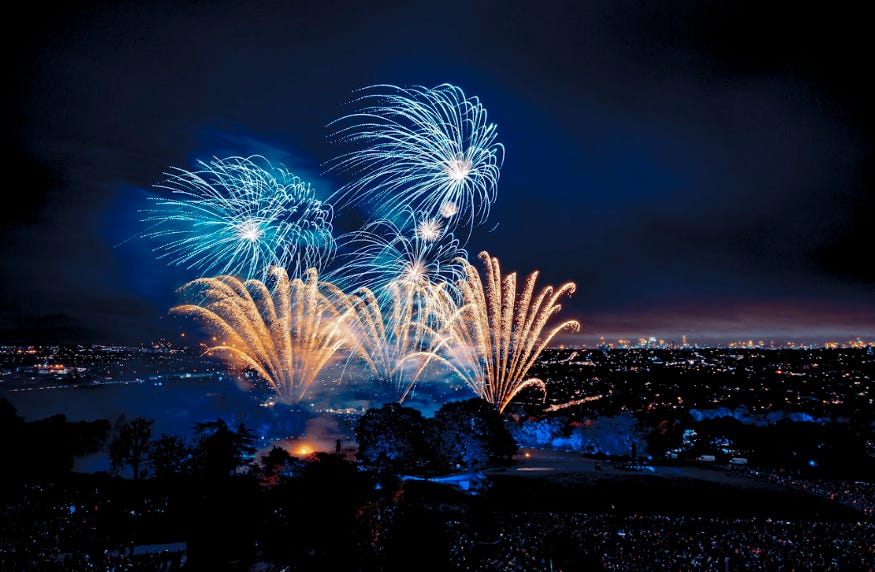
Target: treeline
x,y
235,510
828,449
45,448
463,435
214,450
392,440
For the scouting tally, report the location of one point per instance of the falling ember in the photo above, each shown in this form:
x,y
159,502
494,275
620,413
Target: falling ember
x,y
429,229
449,209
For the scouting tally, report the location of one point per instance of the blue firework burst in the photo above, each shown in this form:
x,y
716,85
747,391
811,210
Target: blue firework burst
x,y
432,150
240,215
420,251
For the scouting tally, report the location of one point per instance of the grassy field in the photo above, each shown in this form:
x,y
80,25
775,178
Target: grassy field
x,y
564,482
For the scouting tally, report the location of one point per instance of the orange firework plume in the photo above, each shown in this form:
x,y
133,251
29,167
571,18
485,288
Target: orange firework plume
x,y
287,335
496,334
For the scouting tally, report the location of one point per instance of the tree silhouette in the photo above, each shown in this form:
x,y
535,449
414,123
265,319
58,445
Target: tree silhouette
x,y
168,456
471,433
391,438
220,449
130,444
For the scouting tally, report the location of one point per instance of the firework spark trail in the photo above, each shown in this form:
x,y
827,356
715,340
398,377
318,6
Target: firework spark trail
x,y
240,215
419,251
432,150
287,335
496,335
395,333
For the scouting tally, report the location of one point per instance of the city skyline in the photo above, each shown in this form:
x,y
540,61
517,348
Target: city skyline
x,y
694,171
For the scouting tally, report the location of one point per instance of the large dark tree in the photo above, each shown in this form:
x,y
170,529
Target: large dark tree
x,y
221,449
169,456
223,512
13,445
316,517
392,438
472,434
130,444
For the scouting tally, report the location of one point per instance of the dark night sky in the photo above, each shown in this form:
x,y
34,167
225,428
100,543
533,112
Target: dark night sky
x,y
699,168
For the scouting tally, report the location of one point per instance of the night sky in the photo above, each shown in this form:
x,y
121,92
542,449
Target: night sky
x,y
698,168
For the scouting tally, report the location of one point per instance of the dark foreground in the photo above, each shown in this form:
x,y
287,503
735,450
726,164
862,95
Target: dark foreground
x,y
544,480
548,512
552,516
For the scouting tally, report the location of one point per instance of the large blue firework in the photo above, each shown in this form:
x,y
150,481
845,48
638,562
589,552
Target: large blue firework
x,y
422,251
240,216
429,149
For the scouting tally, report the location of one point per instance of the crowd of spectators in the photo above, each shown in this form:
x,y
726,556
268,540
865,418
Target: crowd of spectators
x,y
168,561
574,541
49,527
859,495
40,534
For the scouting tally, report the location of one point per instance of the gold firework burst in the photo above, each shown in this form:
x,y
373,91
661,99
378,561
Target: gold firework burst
x,y
496,335
286,334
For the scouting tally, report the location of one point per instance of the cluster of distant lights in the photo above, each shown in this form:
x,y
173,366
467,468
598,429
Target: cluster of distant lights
x,y
857,343
653,342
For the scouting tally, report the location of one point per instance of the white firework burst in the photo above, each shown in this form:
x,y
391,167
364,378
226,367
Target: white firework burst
x,y
428,149
419,251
